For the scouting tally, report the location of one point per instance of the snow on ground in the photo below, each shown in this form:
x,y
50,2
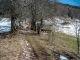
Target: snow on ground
x,y
69,29
48,21
63,57
5,22
5,25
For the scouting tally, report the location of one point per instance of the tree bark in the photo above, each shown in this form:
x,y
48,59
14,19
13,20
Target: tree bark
x,y
12,25
33,27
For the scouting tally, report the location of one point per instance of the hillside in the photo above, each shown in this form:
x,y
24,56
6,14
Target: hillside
x,y
59,9
63,10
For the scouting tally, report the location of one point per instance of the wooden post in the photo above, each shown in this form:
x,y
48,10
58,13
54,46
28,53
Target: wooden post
x,y
49,33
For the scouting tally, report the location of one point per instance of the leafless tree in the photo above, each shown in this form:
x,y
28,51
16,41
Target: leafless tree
x,y
13,9
9,9
40,9
35,9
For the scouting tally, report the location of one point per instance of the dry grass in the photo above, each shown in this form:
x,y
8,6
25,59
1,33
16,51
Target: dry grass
x,y
40,50
43,48
67,41
63,44
10,48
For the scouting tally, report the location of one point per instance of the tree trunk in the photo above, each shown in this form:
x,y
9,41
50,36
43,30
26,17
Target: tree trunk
x,y
33,27
12,25
41,25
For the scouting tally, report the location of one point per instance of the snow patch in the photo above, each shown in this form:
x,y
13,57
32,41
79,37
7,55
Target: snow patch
x,y
48,21
63,57
69,29
5,25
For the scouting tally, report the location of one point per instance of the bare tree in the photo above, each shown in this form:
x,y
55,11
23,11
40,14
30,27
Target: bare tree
x,y
37,10
14,9
9,9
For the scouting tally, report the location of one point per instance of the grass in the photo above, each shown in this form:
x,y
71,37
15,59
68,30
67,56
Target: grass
x,y
10,48
70,42
66,44
63,43
39,49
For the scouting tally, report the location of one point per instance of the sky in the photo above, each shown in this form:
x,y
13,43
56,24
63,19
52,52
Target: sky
x,y
70,2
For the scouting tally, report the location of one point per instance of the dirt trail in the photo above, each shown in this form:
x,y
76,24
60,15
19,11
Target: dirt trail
x,y
16,48
26,51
